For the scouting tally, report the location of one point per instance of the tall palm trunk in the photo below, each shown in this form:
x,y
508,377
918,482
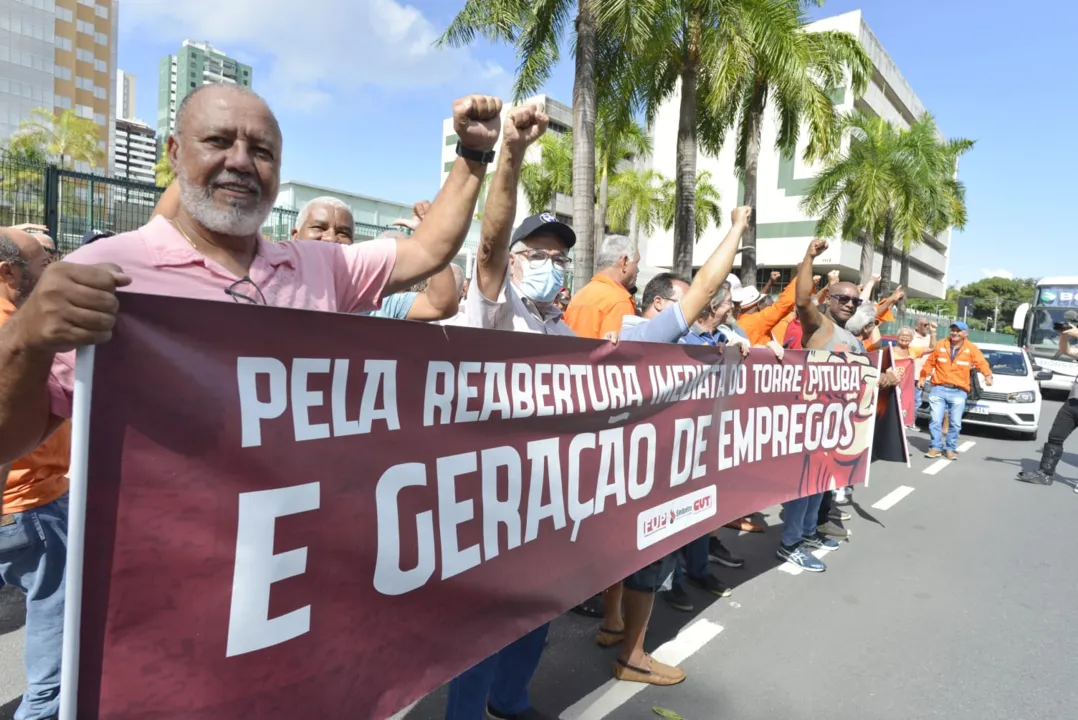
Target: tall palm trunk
x,y
868,255
584,144
685,188
634,233
600,212
888,254
753,127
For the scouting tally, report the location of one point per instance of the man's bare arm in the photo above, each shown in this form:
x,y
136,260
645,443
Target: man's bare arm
x,y
714,272
168,205
1065,346
439,301
500,210
25,419
810,316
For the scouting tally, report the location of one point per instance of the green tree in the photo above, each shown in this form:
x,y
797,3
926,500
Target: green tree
x,y
616,139
552,174
66,140
637,201
794,71
162,170
22,170
706,208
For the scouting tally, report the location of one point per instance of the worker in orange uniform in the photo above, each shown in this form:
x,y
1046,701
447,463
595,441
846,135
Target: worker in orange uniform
x,y
599,307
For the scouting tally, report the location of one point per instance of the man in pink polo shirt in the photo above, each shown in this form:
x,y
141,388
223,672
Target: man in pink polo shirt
x,y
226,154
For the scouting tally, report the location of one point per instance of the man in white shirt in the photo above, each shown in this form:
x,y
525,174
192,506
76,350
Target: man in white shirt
x,y
514,287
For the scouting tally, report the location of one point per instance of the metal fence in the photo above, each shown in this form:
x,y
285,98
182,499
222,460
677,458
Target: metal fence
x,y
71,204
977,336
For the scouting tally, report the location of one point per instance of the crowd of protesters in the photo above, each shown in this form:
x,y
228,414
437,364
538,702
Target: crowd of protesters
x,y
204,242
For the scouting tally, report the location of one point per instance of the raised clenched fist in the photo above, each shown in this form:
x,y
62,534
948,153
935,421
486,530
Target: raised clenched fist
x,y
524,125
776,276
477,121
741,215
816,280
816,248
72,306
833,277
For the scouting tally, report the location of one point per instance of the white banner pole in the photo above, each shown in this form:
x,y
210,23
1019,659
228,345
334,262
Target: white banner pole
x,y
76,531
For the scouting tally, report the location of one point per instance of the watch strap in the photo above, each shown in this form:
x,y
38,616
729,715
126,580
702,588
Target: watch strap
x,y
479,156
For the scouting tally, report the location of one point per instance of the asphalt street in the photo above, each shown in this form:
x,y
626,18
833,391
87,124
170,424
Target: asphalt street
x,y
953,599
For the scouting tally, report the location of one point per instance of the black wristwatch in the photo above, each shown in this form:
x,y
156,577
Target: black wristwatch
x,y
480,156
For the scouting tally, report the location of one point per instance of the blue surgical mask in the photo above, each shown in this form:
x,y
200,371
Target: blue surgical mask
x,y
541,284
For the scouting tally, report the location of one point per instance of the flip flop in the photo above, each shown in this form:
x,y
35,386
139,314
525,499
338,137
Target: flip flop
x,y
660,673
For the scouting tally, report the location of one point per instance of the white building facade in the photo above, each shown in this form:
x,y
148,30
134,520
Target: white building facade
x,y
136,150
783,229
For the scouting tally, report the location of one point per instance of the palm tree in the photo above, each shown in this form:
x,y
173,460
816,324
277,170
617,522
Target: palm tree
x,y
889,184
851,195
162,170
536,30
552,174
617,138
794,70
706,209
22,169
69,139
637,199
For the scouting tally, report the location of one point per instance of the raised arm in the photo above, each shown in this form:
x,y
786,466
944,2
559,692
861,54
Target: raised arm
x,y
1065,346
866,291
716,269
477,121
771,280
810,316
523,127
888,302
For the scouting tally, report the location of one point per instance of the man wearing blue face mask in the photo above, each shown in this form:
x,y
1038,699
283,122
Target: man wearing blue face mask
x,y
517,279
514,287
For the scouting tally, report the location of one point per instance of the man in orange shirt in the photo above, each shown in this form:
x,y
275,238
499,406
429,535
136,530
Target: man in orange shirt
x,y
33,523
949,366
758,322
598,307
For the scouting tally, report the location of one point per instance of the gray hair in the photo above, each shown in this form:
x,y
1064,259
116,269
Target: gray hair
x,y
333,202
612,249
10,252
181,111
865,315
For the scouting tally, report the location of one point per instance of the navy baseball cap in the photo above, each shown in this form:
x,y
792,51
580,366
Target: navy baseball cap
x,y
961,326
96,235
544,223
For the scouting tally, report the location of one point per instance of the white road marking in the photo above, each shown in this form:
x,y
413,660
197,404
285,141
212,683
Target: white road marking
x,y
892,498
935,467
615,693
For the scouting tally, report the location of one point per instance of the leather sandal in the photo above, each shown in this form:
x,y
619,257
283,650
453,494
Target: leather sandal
x,y
609,638
660,673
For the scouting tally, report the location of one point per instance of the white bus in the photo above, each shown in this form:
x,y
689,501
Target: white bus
x,y
1035,325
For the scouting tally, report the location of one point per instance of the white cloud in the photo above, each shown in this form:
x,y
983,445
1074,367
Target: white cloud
x,y
1005,274
315,49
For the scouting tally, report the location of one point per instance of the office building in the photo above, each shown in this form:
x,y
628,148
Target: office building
x,y
59,55
136,150
783,229
125,95
196,64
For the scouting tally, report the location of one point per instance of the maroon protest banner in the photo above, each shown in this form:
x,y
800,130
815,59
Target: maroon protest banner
x,y
297,514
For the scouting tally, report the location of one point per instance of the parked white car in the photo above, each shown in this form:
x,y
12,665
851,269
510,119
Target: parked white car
x,y
1014,400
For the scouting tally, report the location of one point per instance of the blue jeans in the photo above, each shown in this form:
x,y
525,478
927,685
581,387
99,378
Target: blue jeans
x,y
33,558
692,559
799,518
501,680
949,401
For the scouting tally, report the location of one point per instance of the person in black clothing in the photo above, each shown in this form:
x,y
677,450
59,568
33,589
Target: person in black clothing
x,y
1067,417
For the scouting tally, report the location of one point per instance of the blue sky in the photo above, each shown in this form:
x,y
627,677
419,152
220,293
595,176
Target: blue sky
x,y
361,96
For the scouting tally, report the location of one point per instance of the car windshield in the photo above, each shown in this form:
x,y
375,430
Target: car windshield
x,y
1043,339
1006,362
